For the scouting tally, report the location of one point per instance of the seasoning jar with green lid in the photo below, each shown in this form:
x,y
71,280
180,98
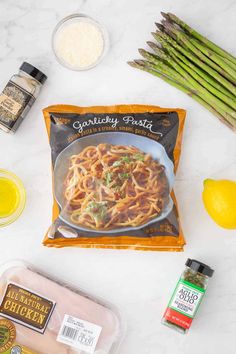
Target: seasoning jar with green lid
x,y
19,95
187,295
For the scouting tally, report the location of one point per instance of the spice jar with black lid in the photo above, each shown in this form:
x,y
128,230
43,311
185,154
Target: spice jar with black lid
x,y
19,95
187,295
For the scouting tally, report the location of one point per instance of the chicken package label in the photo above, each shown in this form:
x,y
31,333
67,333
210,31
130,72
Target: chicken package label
x,y
26,307
79,334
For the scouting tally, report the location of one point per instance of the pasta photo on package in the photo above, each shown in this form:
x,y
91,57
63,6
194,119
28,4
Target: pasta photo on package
x,y
113,175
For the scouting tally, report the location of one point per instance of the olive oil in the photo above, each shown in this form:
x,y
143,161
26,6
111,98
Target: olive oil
x,y
9,197
12,197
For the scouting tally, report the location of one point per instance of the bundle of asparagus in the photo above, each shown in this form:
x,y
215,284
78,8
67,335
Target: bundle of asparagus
x,y
195,65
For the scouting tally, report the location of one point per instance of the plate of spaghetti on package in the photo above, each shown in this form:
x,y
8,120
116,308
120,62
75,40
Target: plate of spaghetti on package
x,y
113,174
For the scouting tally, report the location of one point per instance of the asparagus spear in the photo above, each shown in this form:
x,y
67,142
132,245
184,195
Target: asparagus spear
x,y
176,54
140,64
193,33
224,98
177,64
233,66
183,39
213,55
201,91
164,69
145,66
163,38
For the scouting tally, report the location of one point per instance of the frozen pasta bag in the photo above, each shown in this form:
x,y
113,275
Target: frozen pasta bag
x,y
39,315
113,175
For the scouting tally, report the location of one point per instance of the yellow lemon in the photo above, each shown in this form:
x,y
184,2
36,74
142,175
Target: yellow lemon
x,y
219,197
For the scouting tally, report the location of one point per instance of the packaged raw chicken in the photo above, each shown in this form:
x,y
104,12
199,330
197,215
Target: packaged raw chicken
x,y
39,315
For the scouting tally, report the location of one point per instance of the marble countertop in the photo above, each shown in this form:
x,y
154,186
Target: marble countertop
x,y
139,283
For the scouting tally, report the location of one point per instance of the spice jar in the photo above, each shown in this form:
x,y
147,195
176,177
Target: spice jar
x,y
187,295
19,95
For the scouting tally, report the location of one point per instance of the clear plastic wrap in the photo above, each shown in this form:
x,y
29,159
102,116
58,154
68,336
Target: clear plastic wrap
x,y
41,315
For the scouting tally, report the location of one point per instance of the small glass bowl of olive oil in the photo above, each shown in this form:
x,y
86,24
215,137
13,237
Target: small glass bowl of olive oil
x,y
12,197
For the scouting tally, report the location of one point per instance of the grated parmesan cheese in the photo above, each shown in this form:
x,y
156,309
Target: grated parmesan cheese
x,y
79,44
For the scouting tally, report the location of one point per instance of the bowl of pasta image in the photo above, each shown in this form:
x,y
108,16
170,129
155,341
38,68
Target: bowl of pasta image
x,y
113,182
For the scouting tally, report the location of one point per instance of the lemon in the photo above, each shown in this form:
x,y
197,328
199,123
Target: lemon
x,y
219,197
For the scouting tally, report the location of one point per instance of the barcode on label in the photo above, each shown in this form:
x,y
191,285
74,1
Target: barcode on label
x,y
79,334
69,332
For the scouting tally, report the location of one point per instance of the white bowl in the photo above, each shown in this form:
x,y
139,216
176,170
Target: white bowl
x,y
75,18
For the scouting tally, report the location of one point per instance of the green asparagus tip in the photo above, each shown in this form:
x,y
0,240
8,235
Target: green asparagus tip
x,y
170,30
159,26
164,22
139,62
170,14
165,15
142,51
158,35
135,64
152,45
172,18
131,63
168,25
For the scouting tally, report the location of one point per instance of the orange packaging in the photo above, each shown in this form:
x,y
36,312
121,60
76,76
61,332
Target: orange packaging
x,y
113,172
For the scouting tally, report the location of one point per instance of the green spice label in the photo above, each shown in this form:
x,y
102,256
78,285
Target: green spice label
x,y
186,298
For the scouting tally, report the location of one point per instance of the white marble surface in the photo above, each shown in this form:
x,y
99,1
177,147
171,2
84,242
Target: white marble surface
x,y
139,283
